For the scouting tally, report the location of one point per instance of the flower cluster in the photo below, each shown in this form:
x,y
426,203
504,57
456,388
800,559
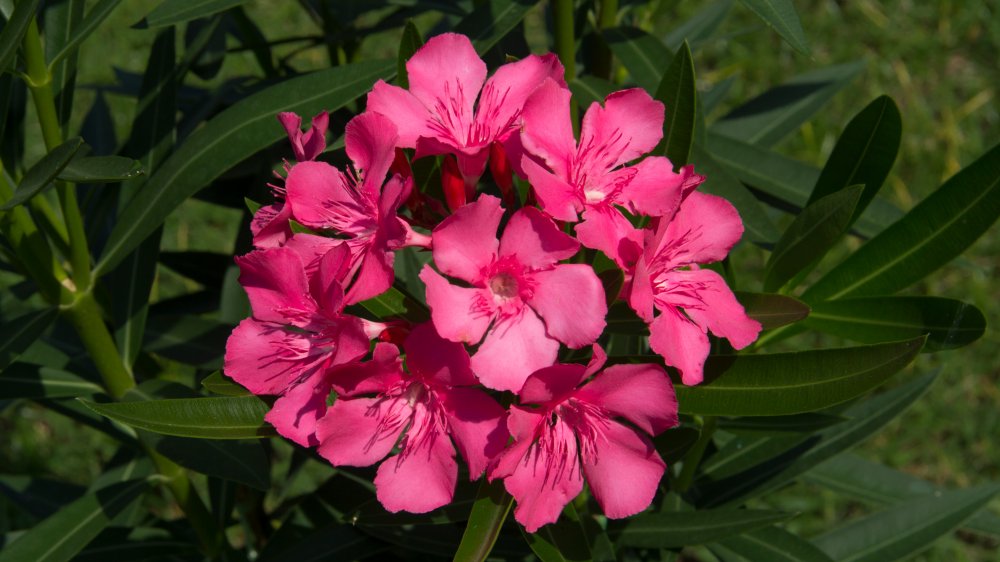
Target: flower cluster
x,y
507,288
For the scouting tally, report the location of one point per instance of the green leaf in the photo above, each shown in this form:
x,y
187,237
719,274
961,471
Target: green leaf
x,y
791,383
948,323
227,139
882,485
238,461
743,453
172,12
864,153
781,15
491,20
97,14
101,169
64,534
863,419
336,541
674,443
562,541
61,20
206,418
810,236
489,511
22,380
218,383
408,45
904,529
773,544
773,311
808,422
718,181
14,30
767,118
43,173
191,340
938,229
671,530
395,303
19,333
679,95
590,89
642,54
700,26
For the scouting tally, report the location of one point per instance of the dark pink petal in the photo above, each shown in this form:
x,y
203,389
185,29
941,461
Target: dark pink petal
x,y
319,197
681,343
328,282
369,377
477,424
257,356
640,292
543,478
270,226
628,126
437,360
466,242
314,141
642,394
505,92
422,476
552,385
514,348
294,415
459,314
546,129
375,274
655,190
625,471
311,249
409,115
536,240
597,359
721,313
446,75
555,196
361,431
604,228
346,339
704,229
276,284
370,141
570,299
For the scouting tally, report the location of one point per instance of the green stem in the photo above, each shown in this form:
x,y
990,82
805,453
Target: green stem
x,y
40,83
489,512
565,43
205,526
85,316
693,457
607,16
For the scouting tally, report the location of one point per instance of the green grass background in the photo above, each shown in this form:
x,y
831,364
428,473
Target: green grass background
x,y
938,60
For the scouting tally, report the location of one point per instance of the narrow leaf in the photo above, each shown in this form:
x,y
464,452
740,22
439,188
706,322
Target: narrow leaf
x,y
14,30
719,181
171,12
773,311
679,95
218,383
773,544
238,461
62,19
408,45
641,53
810,236
791,383
904,529
491,20
489,511
864,153
700,26
562,541
101,169
589,89
396,304
781,15
191,340
933,233
97,14
64,534
19,333
671,530
43,173
808,422
230,137
22,380
205,418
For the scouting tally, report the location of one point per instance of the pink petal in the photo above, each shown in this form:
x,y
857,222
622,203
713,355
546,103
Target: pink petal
x,y
555,196
409,115
311,249
597,360
422,476
369,377
570,299
642,394
722,313
655,190
375,274
359,431
625,471
704,229
459,314
314,141
681,343
276,284
318,194
628,126
551,385
270,226
255,358
477,424
546,130
446,75
640,292
466,242
604,228
435,359
536,240
370,141
514,348
328,283
505,92
294,415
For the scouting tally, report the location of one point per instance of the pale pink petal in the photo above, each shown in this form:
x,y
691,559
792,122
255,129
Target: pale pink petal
x,y
257,358
555,196
681,343
446,75
294,415
466,242
422,476
536,240
514,348
654,190
477,424
270,227
437,360
642,394
369,377
459,314
722,313
552,385
409,115
704,229
570,299
604,228
370,141
361,431
625,471
505,92
546,129
628,126
276,284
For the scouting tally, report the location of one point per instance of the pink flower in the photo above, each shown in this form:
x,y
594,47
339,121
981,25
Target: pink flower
x,y
358,206
424,407
296,336
439,113
308,145
691,300
570,433
527,302
590,176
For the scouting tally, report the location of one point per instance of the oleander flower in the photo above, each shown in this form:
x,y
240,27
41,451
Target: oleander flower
x,y
565,433
521,298
690,300
430,411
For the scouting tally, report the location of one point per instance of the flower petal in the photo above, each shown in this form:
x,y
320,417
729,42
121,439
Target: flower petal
x,y
552,385
628,126
505,93
722,313
320,198
446,75
570,299
546,130
276,285
704,229
514,348
435,359
409,115
256,356
294,415
604,228
642,394
625,471
555,196
370,141
655,190
359,432
375,274
536,240
422,476
369,377
459,314
681,343
477,424
270,226
466,242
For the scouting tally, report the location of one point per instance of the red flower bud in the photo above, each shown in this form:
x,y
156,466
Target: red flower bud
x,y
452,183
502,173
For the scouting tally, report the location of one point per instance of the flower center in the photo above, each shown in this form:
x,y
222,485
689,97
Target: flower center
x,y
504,285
